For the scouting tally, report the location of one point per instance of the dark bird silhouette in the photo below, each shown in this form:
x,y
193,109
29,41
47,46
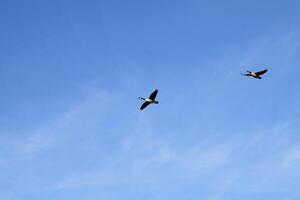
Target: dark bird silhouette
x,y
256,74
149,100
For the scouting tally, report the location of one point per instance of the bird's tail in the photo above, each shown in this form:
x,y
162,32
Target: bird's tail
x,y
156,102
142,98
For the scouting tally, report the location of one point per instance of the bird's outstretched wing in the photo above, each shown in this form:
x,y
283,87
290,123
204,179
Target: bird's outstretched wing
x,y
145,104
153,95
261,72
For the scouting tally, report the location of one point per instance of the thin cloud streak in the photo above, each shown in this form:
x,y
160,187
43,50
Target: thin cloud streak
x,y
55,132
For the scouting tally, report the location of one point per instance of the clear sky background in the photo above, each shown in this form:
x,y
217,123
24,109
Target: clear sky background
x,y
70,124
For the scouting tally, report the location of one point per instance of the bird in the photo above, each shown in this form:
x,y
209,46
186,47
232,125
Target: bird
x,y
149,100
256,74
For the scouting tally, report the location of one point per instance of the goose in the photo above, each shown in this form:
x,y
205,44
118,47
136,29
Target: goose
x,y
256,74
149,100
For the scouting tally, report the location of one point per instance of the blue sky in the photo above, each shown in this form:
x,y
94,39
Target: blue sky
x,y
70,124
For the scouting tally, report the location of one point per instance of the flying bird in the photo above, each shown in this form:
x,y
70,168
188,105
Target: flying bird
x,y
256,74
149,100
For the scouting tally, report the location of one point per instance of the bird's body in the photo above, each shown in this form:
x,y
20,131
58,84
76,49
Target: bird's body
x,y
256,74
149,100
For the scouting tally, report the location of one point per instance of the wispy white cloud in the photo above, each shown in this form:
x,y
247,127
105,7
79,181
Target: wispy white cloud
x,y
87,180
262,162
291,158
144,157
55,132
32,145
